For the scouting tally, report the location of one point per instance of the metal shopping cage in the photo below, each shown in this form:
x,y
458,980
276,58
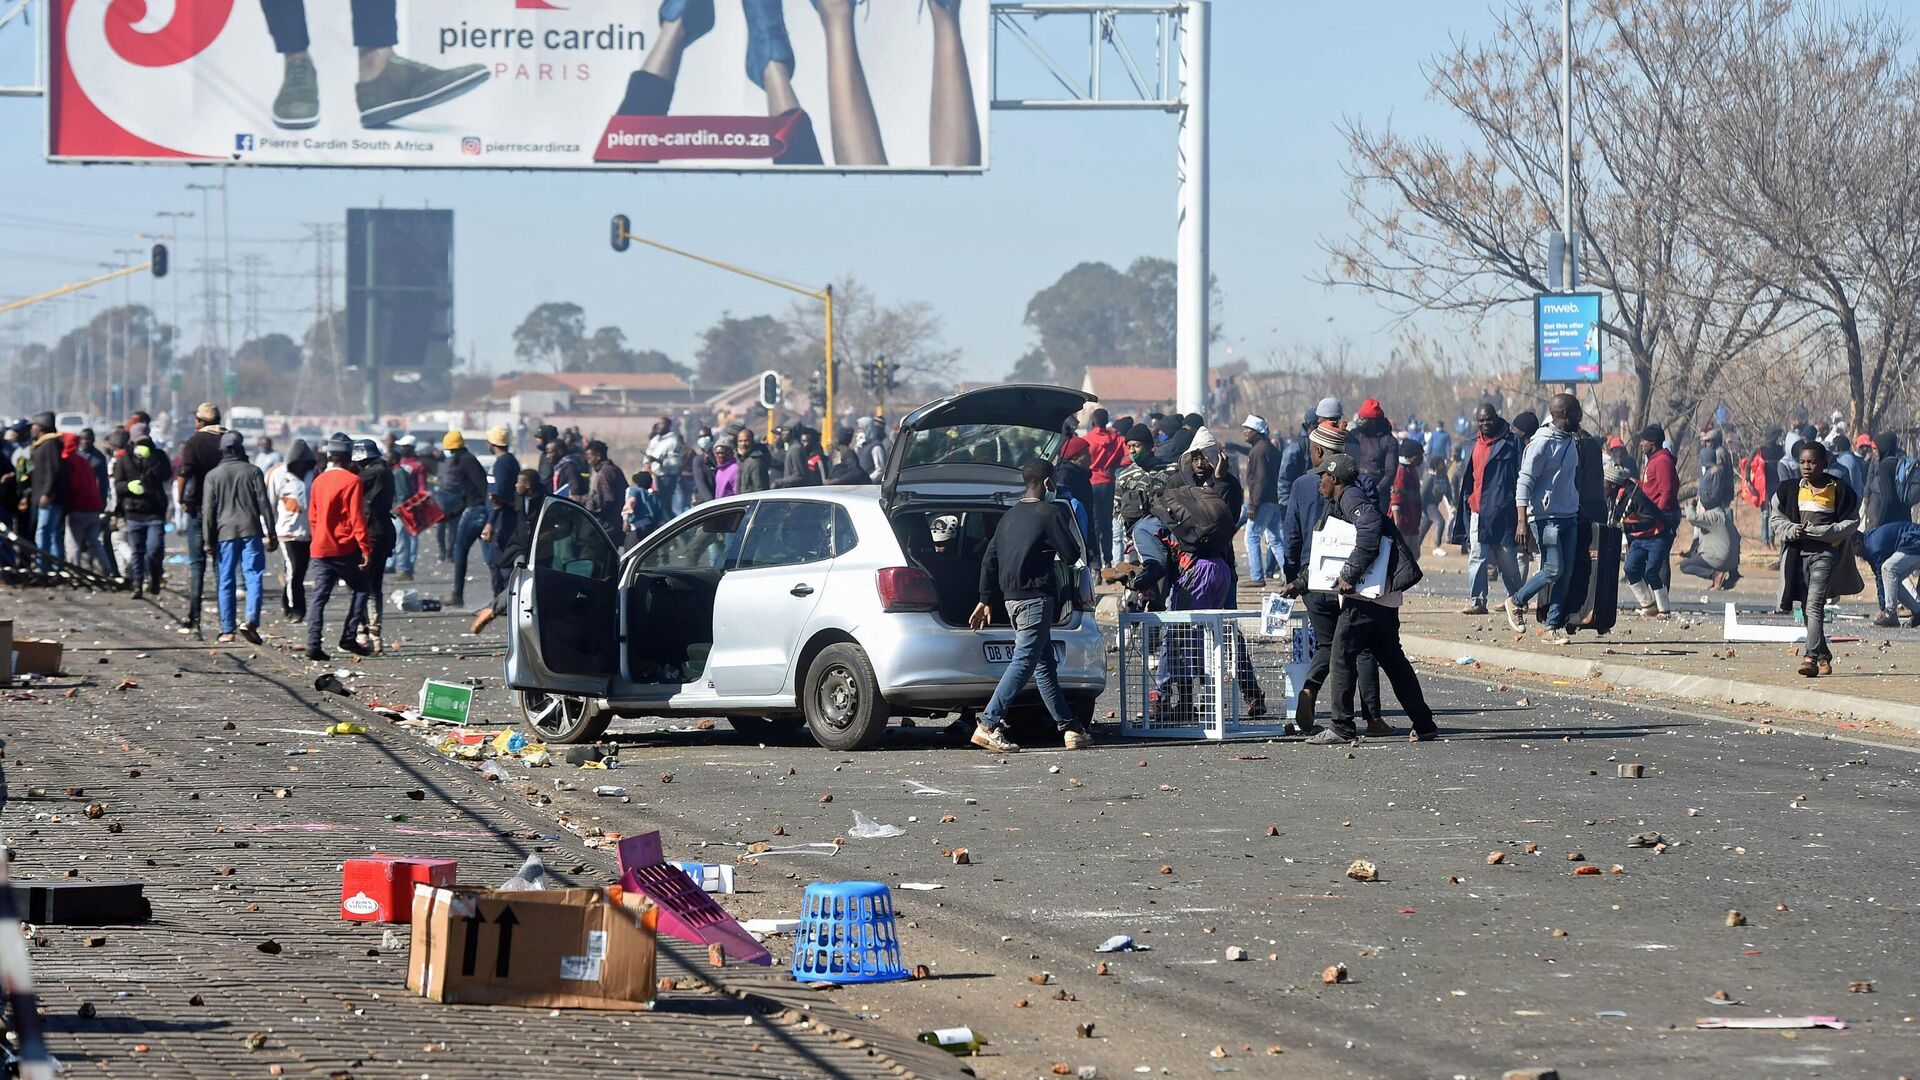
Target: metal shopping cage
x,y
1202,674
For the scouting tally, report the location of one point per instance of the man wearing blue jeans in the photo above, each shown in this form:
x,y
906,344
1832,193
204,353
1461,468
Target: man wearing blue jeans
x,y
1266,504
1893,551
47,492
1489,473
1547,502
236,514
1019,564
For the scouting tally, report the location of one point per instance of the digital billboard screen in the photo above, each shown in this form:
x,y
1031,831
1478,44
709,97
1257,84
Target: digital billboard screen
x,y
1566,337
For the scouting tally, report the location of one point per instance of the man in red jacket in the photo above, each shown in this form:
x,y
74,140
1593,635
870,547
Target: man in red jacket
x,y
1109,454
341,549
1647,569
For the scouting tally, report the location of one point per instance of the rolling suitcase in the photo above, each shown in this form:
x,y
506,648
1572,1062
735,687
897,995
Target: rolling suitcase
x,y
1593,592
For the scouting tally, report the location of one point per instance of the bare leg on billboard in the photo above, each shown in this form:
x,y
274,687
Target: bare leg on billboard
x,y
650,90
803,147
955,124
856,130
373,62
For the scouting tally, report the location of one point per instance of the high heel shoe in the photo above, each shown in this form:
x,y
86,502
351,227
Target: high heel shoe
x,y
767,40
694,16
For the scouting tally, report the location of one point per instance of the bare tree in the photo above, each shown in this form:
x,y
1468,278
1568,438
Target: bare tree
x,y
907,334
1460,229
1817,160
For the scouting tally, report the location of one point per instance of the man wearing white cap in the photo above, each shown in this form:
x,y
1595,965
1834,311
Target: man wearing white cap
x,y
1265,508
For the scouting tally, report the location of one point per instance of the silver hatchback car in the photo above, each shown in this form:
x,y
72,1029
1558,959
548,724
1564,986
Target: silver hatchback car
x,y
835,607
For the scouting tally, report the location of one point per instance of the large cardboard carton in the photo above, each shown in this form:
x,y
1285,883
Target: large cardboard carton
x,y
35,657
379,888
550,948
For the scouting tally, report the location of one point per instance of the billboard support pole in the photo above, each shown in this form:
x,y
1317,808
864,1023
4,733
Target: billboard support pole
x,y
1191,270
1175,82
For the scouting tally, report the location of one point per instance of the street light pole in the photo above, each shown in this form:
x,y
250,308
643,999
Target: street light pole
x,y
1569,260
622,236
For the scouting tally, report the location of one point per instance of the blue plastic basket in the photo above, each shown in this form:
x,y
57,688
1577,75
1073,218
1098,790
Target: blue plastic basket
x,y
846,934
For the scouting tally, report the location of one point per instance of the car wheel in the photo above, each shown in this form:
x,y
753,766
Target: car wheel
x,y
561,719
842,700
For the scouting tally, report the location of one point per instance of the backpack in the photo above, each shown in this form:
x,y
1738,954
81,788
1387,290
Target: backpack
x,y
1906,482
1197,518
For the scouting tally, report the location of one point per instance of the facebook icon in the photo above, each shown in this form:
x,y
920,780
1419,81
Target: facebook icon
x,y
242,142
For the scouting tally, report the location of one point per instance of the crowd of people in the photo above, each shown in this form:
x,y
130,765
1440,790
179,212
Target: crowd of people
x,y
1155,503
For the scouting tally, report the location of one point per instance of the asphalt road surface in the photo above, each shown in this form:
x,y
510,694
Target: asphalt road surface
x,y
1457,967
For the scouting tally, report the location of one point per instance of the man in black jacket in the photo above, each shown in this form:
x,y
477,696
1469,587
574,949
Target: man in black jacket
x,y
528,496
140,476
47,493
1019,564
1371,625
199,455
376,502
463,492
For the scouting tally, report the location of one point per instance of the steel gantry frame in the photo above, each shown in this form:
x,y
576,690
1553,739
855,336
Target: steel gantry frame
x,y
1176,81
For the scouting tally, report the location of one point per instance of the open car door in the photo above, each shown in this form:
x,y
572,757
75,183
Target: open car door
x,y
566,619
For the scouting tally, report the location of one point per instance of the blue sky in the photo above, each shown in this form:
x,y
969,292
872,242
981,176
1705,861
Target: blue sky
x,y
1061,188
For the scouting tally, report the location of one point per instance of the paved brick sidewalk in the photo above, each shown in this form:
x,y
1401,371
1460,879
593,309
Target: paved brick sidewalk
x,y
230,865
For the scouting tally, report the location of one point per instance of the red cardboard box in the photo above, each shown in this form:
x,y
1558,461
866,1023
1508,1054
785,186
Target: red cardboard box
x,y
379,888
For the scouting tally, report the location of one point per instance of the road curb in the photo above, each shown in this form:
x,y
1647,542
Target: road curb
x,y
1694,687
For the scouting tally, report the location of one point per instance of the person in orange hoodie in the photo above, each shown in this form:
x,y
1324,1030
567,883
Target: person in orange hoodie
x,y
342,551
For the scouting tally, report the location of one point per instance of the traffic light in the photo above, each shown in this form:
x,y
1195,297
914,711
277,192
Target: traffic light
x,y
622,227
769,389
870,375
158,259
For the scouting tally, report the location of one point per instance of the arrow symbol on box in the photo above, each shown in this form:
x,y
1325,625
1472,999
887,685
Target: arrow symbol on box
x,y
473,945
506,921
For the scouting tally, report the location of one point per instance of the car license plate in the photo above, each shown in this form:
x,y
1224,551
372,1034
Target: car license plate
x,y
1001,652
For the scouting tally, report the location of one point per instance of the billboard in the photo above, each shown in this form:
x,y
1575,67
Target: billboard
x,y
523,84
1566,337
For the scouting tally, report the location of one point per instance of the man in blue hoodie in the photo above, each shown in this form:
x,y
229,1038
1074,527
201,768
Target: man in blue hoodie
x,y
1547,505
1893,551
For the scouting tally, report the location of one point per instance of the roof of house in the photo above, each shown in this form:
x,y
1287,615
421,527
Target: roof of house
x,y
587,382
1130,383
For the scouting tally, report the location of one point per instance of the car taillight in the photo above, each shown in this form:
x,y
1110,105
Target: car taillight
x,y
906,588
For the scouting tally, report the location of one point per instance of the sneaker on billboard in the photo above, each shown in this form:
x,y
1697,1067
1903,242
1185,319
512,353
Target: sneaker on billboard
x,y
406,86
297,106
